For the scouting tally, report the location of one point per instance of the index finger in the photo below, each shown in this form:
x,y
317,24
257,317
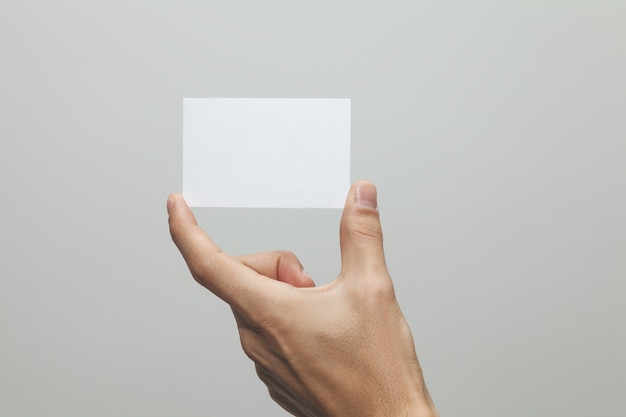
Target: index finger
x,y
219,272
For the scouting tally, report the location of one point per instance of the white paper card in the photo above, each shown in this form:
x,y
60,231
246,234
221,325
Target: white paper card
x,y
257,152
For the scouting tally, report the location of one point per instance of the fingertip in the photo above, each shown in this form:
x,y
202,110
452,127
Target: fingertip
x,y
175,202
171,201
362,194
365,195
306,280
175,197
360,182
180,216
291,271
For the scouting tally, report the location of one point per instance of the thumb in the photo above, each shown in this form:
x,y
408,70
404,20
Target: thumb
x,y
360,232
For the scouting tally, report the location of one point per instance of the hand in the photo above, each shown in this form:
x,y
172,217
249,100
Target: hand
x,y
343,349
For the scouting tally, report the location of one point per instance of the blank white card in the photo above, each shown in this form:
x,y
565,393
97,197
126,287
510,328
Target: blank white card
x,y
257,152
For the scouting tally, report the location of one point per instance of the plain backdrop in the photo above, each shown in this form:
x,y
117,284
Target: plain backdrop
x,y
495,131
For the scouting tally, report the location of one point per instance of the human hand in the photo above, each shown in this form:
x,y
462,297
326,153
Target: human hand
x,y
342,349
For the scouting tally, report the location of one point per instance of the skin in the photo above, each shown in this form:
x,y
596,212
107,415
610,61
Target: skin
x,y
343,349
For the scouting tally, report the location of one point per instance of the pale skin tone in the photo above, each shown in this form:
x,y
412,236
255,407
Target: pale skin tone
x,y
342,349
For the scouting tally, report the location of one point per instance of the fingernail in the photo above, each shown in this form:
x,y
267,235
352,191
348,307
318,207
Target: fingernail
x,y
365,196
170,204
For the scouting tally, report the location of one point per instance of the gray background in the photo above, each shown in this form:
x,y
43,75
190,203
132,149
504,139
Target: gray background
x,y
495,131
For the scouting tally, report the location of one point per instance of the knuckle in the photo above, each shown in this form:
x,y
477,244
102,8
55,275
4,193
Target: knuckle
x,y
365,225
382,290
204,268
198,271
260,372
274,395
375,290
249,345
267,324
